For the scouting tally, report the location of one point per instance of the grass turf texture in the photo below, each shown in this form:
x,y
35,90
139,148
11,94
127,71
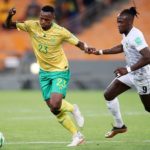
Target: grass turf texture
x,y
27,123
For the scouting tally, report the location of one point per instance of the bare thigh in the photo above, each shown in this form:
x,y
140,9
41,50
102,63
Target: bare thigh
x,y
54,103
114,89
146,101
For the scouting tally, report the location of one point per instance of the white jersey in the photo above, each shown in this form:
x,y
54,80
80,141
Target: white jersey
x,y
133,43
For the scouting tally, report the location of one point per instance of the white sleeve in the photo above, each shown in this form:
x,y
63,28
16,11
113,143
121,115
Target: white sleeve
x,y
139,42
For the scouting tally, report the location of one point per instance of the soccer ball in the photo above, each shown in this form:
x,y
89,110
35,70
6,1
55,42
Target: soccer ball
x,y
1,139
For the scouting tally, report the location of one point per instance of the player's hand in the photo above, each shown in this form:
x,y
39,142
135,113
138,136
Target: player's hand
x,y
12,11
90,50
96,52
120,71
93,51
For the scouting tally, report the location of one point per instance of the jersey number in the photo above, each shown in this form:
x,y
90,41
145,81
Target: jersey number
x,y
61,83
42,48
144,89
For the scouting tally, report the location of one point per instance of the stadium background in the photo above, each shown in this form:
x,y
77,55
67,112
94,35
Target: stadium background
x,y
93,21
27,123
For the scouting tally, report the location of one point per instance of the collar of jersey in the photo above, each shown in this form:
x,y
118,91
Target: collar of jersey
x,y
48,29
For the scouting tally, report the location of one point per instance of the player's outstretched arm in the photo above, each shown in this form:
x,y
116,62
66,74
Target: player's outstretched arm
x,y
114,50
83,46
9,23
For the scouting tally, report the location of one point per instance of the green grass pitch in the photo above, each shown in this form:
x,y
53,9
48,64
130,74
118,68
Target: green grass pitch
x,y
27,123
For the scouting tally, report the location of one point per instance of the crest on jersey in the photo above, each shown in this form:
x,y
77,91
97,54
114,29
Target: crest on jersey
x,y
138,41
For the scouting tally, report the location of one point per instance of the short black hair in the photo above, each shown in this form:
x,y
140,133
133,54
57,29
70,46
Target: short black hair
x,y
131,11
48,8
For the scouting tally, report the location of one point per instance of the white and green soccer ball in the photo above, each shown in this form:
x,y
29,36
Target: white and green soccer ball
x,y
1,139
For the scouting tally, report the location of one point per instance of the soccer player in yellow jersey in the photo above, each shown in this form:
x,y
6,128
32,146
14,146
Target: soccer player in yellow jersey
x,y
47,38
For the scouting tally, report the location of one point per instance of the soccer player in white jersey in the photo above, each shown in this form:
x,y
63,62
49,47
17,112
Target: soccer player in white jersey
x,y
136,73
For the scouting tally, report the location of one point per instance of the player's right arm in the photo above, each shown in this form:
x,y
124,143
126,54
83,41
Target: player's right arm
x,y
114,50
24,26
9,23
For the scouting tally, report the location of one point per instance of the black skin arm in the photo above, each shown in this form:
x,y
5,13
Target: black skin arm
x,y
145,60
9,23
114,50
83,46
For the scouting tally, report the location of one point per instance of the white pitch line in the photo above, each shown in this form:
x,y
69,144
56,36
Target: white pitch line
x,y
87,115
65,142
34,142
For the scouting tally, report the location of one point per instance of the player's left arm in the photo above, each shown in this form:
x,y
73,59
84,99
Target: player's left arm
x,y
81,45
72,39
142,47
143,61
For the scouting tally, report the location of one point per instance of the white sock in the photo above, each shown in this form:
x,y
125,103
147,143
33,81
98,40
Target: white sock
x,y
114,108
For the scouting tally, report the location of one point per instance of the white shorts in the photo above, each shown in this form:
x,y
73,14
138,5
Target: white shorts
x,y
140,82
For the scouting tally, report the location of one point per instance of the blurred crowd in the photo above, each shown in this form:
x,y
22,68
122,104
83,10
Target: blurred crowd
x,y
73,14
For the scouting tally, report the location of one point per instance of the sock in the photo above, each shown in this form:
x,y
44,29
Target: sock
x,y
66,122
66,106
114,108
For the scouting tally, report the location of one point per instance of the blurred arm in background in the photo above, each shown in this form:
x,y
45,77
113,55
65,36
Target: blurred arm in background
x,y
5,5
9,23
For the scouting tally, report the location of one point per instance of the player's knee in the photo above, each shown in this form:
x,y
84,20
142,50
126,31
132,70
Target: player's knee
x,y
55,110
55,105
107,96
147,109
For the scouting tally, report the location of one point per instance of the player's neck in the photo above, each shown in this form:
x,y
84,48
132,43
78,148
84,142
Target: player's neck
x,y
127,32
48,27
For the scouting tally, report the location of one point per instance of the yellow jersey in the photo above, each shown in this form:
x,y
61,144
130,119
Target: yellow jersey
x,y
47,45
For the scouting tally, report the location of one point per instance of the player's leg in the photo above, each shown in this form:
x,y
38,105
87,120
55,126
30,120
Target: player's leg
x,y
146,101
142,84
63,118
53,91
116,87
59,107
74,109
60,85
47,83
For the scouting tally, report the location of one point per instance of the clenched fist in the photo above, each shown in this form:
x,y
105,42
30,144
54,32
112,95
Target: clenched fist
x,y
12,11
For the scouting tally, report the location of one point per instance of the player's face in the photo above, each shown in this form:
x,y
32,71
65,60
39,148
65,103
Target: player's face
x,y
46,19
123,23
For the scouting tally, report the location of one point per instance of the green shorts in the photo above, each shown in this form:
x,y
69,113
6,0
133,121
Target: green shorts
x,y
53,82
